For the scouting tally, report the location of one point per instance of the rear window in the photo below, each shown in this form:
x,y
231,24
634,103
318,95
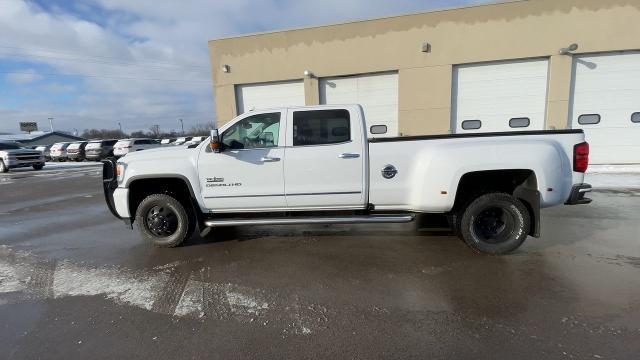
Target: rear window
x,y
75,146
321,127
94,145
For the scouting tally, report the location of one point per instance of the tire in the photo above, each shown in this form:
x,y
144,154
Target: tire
x,y
38,166
172,224
494,223
3,168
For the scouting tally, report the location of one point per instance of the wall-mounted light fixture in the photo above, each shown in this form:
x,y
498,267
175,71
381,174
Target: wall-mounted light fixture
x,y
426,47
569,49
226,68
308,73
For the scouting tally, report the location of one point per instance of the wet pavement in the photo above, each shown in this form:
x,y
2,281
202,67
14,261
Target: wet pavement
x,y
77,283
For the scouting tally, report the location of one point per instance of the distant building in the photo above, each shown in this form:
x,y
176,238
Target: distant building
x,y
40,138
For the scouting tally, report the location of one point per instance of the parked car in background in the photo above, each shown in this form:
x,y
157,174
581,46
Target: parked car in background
x,y
12,155
59,151
196,140
75,151
167,141
97,150
45,150
182,140
123,147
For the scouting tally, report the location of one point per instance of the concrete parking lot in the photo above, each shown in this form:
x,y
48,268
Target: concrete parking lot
x,y
77,283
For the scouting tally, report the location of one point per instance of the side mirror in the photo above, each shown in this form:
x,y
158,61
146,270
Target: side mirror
x,y
215,144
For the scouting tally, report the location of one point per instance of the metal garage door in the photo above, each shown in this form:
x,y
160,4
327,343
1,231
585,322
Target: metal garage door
x,y
499,96
268,95
605,97
377,93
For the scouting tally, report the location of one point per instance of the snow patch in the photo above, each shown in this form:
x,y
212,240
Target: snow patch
x,y
245,304
123,287
11,278
191,302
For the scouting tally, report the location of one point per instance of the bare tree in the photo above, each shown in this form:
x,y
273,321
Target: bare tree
x,y
200,130
103,134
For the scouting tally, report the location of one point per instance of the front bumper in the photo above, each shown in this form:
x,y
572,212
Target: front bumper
x,y
577,196
12,163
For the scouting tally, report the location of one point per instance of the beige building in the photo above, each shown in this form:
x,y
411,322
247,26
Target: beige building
x,y
496,67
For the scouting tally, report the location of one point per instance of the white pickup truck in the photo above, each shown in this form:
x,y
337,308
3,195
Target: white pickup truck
x,y
316,165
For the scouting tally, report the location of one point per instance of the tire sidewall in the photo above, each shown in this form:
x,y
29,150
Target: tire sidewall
x,y
3,167
507,203
181,232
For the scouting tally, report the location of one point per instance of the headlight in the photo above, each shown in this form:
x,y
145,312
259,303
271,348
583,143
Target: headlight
x,y
120,168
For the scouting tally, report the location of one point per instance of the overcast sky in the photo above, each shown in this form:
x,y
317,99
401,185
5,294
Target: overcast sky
x,y
94,63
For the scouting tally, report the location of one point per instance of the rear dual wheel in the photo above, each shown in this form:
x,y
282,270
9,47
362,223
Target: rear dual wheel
x,y
163,221
494,223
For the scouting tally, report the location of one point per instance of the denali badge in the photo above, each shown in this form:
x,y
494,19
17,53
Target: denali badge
x,y
389,171
215,179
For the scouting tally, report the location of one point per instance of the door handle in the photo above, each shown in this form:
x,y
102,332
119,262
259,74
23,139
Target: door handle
x,y
269,159
348,156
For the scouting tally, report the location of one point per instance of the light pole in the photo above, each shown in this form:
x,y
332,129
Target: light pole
x,y
181,125
51,123
120,126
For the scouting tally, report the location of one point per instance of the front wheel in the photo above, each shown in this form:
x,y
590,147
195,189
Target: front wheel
x,y
163,221
495,223
3,168
38,166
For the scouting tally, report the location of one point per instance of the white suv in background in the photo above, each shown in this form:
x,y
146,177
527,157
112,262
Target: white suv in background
x,y
196,140
123,147
182,140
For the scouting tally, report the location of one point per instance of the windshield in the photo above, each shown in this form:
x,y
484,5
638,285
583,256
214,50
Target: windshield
x,y
94,145
9,146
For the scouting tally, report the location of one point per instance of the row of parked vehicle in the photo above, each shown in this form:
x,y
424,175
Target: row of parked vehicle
x,y
96,150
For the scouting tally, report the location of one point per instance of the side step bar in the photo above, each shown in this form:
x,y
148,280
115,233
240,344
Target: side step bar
x,y
378,219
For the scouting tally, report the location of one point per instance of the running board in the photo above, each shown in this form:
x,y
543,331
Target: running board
x,y
380,219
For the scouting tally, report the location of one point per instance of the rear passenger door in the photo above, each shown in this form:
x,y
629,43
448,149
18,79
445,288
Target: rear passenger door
x,y
324,159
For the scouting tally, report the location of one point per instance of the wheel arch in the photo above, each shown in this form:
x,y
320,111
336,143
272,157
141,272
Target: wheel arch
x,y
520,183
177,186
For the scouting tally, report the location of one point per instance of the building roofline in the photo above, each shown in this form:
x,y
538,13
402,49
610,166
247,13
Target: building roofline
x,y
420,12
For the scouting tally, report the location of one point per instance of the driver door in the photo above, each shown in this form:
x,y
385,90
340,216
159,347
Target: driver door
x,y
247,175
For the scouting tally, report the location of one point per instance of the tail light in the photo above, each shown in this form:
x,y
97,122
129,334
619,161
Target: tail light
x,y
581,157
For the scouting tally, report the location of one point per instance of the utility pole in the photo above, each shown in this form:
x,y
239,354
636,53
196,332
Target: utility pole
x,y
120,126
51,123
181,125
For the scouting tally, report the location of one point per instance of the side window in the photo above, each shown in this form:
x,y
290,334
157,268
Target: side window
x,y
254,132
471,124
319,127
588,119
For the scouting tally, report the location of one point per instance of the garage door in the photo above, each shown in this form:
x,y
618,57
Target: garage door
x,y
268,95
377,93
499,96
606,104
